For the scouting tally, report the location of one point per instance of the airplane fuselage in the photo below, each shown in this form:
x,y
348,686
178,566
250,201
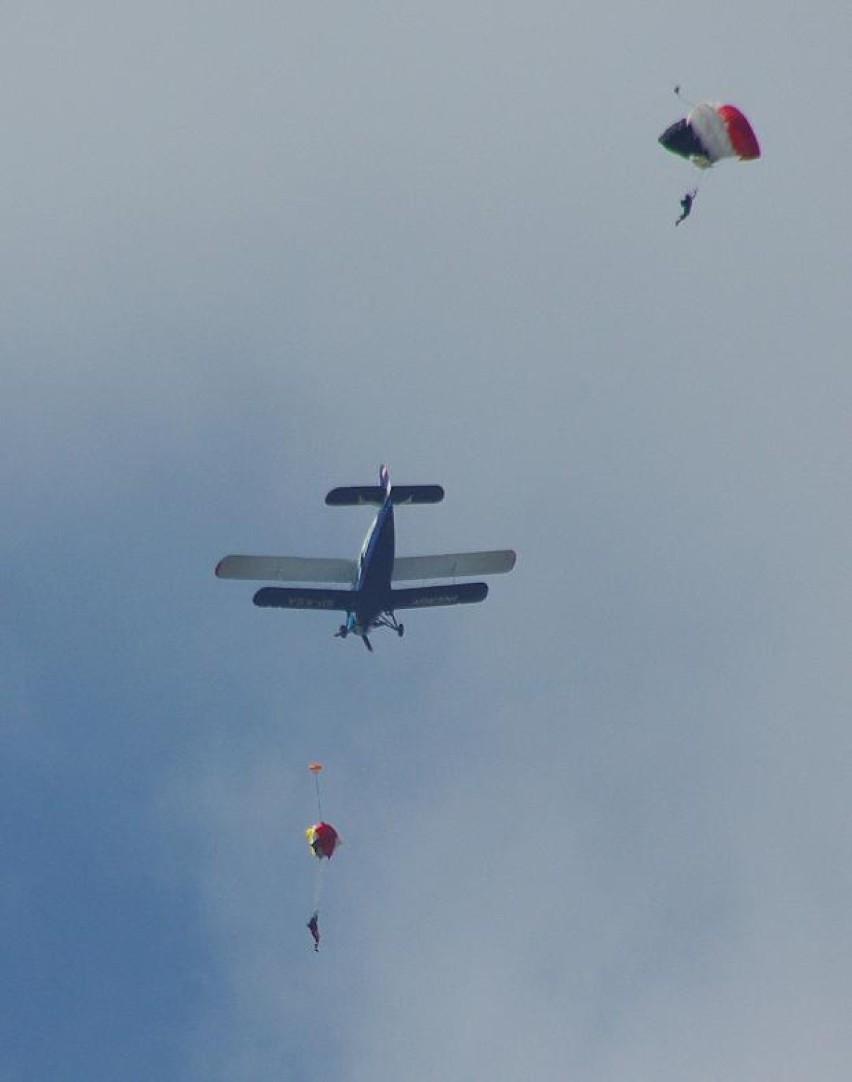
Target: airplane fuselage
x,y
371,596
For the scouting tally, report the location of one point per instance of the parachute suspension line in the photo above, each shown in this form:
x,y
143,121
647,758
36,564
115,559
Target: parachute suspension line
x,y
319,879
319,798
315,768
702,174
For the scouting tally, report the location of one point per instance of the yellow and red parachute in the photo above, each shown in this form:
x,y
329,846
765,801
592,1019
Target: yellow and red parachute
x,y
323,840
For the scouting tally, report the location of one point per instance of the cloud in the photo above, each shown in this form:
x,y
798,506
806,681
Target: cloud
x,y
595,826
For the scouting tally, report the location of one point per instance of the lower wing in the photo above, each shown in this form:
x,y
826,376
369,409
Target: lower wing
x,y
286,569
453,565
424,597
282,597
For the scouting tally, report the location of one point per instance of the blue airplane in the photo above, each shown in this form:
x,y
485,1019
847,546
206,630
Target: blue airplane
x,y
371,601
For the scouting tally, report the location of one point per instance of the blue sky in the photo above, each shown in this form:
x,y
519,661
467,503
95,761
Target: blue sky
x,y
598,827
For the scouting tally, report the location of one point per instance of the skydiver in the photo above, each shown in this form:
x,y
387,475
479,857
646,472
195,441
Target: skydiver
x,y
313,927
686,205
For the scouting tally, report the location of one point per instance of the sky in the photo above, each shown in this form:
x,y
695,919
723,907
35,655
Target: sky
x,y
599,827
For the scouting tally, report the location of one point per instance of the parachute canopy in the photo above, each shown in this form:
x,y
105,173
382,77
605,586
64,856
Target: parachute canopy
x,y
712,131
323,839
315,768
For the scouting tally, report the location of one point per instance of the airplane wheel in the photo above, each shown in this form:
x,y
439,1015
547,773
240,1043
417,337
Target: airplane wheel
x,y
400,630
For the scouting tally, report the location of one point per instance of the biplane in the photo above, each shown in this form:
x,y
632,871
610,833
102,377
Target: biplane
x,y
372,598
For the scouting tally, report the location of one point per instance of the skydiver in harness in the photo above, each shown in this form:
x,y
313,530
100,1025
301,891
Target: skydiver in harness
x,y
686,205
313,927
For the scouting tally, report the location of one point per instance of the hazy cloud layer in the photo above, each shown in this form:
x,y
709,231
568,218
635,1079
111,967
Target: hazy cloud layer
x,y
598,827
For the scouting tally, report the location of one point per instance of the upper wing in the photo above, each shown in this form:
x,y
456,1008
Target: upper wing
x,y
453,565
287,569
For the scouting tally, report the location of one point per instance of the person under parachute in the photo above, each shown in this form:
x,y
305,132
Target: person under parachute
x,y
710,132
686,205
323,840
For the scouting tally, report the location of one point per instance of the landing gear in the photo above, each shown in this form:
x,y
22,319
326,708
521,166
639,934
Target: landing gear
x,y
359,627
387,619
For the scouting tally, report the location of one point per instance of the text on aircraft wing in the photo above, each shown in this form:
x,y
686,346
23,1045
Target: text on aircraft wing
x,y
453,565
427,597
283,597
287,569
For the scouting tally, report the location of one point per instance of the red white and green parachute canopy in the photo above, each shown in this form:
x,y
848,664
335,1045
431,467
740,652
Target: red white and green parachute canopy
x,y
323,840
712,131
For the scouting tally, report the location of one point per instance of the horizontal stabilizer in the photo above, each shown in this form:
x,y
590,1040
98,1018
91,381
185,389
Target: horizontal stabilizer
x,y
416,494
425,597
352,495
282,597
453,565
287,569
375,495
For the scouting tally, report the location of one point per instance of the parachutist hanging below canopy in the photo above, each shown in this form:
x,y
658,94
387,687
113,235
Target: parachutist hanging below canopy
x,y
313,925
710,132
686,205
323,840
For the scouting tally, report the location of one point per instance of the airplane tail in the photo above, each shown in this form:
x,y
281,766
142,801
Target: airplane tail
x,y
377,494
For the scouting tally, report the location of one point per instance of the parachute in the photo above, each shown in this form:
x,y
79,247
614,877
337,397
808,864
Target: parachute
x,y
710,132
323,840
